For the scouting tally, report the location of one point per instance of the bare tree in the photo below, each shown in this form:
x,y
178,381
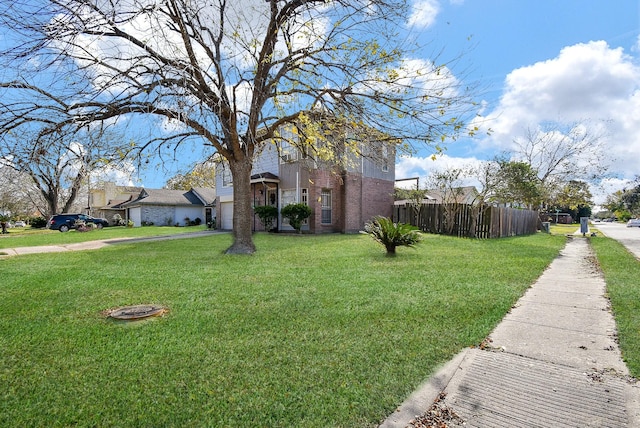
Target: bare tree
x,y
225,75
16,193
57,164
559,153
449,186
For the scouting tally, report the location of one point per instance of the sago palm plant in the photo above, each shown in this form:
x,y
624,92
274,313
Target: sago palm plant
x,y
392,235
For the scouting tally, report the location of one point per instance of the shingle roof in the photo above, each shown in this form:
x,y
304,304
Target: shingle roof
x,y
165,197
207,194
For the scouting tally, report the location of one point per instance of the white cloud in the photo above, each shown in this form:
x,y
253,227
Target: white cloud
x,y
423,167
424,13
590,82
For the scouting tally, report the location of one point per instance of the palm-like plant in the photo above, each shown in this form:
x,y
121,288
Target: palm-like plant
x,y
392,235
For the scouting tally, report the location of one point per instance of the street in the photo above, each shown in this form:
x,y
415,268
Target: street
x,y
627,236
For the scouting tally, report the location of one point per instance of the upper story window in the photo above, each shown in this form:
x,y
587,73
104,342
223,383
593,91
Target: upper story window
x,y
227,180
288,148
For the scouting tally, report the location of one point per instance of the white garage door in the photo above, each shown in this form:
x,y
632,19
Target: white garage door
x,y
226,212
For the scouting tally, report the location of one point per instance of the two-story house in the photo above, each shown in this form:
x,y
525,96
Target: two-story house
x,y
342,199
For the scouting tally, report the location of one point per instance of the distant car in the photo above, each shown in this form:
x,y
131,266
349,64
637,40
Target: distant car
x,y
65,222
19,223
634,222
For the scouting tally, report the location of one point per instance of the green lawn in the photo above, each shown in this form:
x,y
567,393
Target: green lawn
x,y
311,331
622,274
27,237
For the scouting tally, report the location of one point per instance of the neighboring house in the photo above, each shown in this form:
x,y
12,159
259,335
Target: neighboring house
x,y
340,201
105,201
461,195
163,207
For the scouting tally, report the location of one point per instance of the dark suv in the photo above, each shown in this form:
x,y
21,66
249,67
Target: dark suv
x,y
64,222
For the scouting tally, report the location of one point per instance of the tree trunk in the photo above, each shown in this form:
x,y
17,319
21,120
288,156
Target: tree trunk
x,y
242,209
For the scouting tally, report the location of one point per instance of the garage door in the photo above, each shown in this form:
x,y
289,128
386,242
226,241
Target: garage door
x,y
226,212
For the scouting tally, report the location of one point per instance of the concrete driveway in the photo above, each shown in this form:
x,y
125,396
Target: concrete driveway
x,y
627,236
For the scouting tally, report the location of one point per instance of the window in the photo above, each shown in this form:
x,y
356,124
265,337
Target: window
x,y
287,196
227,181
304,198
385,158
288,149
325,204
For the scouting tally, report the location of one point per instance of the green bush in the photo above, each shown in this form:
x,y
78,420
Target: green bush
x,y
392,235
118,220
267,215
296,214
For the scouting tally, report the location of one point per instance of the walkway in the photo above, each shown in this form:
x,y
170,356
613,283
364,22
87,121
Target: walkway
x,y
552,362
93,245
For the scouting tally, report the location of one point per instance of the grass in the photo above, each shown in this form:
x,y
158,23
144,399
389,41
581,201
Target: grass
x,y
622,274
28,237
311,331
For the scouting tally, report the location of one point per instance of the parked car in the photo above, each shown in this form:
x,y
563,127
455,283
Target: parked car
x,y
65,222
19,223
634,222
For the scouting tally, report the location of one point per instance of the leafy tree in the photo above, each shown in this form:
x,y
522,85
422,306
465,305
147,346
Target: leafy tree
x,y
614,201
202,175
573,195
296,214
630,199
226,76
516,183
392,235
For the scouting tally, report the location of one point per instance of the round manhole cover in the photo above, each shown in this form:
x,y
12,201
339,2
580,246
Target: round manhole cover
x,y
137,312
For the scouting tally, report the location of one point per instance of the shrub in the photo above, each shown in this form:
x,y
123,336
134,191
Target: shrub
x,y
392,235
118,220
296,214
81,226
267,215
38,222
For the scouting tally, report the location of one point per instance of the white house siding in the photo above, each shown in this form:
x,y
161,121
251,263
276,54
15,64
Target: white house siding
x,y
191,212
135,214
268,161
226,212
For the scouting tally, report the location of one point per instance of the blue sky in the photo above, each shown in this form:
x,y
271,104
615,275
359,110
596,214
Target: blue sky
x,y
540,61
534,61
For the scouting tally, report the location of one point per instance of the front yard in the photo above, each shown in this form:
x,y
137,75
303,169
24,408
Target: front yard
x,y
311,331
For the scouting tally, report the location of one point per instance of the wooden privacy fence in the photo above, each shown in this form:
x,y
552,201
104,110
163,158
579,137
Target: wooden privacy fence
x,y
470,221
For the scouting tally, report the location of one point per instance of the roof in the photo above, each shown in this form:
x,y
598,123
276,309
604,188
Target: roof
x,y
166,197
463,195
206,194
264,177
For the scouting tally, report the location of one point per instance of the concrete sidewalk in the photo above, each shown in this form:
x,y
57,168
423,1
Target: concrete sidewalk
x,y
552,362
94,245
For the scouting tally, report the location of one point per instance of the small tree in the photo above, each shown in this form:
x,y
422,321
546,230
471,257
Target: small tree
x,y
296,214
267,215
392,235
